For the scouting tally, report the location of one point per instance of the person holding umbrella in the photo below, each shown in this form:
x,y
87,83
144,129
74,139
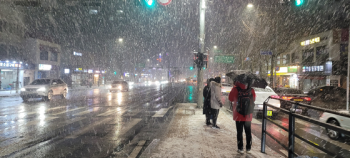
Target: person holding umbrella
x,y
243,97
215,100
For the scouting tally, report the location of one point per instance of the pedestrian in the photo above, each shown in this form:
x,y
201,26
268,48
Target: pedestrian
x,y
206,105
215,100
243,97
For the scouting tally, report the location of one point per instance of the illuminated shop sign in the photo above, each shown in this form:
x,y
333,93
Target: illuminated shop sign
x,y
97,72
77,54
6,64
66,71
282,70
45,67
310,41
78,70
90,71
292,69
319,68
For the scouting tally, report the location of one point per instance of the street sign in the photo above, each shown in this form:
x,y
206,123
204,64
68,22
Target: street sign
x,y
141,65
277,68
164,2
224,59
267,52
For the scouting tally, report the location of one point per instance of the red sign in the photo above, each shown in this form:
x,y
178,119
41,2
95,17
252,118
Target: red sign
x,y
164,2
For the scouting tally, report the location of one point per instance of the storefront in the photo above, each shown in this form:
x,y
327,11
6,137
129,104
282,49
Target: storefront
x,y
8,74
316,75
287,77
47,71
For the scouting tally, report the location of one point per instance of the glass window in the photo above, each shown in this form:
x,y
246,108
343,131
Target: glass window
x,y
3,52
59,81
44,55
322,54
54,55
278,60
40,82
293,58
308,56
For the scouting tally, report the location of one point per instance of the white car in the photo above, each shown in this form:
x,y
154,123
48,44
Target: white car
x,y
226,88
261,96
119,86
44,88
335,120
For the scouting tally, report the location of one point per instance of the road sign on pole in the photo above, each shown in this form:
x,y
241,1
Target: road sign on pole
x,y
164,2
229,59
267,52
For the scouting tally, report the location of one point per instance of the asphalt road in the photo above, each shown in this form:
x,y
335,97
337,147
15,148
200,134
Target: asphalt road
x,y
89,123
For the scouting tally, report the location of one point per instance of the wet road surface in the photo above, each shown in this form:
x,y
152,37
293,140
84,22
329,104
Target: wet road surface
x,y
89,123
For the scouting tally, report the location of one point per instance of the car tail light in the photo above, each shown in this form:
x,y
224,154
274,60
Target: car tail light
x,y
275,96
307,98
287,98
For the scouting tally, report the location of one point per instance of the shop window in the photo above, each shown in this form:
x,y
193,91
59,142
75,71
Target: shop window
x,y
44,55
278,60
322,54
13,52
308,56
3,52
293,58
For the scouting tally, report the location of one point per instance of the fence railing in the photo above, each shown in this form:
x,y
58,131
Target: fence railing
x,y
291,127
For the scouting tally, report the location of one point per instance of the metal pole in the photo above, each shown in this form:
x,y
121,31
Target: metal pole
x,y
263,132
17,77
291,135
202,7
347,79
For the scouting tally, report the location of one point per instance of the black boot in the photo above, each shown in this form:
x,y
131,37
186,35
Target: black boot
x,y
208,122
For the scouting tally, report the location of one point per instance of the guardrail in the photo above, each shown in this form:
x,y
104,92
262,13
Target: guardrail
x,y
291,127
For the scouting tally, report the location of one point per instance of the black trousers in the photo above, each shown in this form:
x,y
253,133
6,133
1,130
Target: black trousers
x,y
248,133
215,113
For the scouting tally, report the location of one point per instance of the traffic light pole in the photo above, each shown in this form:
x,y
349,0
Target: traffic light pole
x,y
200,53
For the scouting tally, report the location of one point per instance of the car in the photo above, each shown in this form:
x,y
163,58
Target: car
x,y
261,96
328,93
292,94
119,86
226,88
336,120
44,88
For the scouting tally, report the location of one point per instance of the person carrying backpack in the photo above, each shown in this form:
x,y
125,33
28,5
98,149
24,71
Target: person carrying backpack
x,y
243,97
206,105
215,100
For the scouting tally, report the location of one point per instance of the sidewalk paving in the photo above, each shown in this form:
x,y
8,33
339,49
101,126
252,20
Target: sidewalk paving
x,y
188,136
11,93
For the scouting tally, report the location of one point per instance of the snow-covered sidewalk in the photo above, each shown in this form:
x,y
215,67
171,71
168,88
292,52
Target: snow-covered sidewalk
x,y
11,93
188,136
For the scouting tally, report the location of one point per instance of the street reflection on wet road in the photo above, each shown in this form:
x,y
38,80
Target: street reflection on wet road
x,y
89,122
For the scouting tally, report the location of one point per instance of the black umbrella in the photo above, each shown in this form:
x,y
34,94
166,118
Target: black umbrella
x,y
252,80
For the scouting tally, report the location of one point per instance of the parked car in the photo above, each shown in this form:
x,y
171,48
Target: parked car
x,y
292,94
119,86
328,93
337,121
226,88
44,88
261,96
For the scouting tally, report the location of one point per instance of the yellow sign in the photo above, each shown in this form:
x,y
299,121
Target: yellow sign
x,y
269,113
80,69
310,41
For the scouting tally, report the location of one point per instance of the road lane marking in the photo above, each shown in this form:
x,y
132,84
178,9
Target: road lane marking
x,y
137,149
68,111
128,126
82,113
87,128
30,123
162,112
107,113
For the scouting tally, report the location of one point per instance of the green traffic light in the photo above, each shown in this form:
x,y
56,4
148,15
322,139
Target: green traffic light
x,y
299,2
115,72
149,2
203,68
191,68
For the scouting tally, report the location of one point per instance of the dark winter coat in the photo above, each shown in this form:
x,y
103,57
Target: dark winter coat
x,y
207,96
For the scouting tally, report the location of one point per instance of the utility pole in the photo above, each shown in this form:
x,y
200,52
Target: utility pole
x,y
200,53
348,77
17,84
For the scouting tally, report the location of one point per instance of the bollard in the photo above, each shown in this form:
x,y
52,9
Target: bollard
x,y
263,132
291,135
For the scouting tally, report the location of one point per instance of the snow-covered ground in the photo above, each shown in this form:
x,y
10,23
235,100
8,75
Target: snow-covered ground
x,y
188,136
8,93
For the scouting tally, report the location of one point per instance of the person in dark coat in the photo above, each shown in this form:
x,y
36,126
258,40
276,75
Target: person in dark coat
x,y
206,105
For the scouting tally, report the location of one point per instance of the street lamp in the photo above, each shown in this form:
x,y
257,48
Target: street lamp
x,y
250,5
120,40
215,47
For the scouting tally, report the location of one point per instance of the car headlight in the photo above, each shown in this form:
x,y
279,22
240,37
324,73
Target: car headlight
x,y
120,87
23,89
110,86
41,89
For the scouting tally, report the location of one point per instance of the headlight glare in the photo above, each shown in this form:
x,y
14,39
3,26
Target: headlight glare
x,y
41,89
23,89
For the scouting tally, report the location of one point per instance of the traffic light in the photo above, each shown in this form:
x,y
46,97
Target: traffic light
x,y
149,2
191,68
203,68
299,2
115,72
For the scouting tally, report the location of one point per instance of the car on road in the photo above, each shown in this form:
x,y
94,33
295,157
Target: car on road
x,y
337,121
119,86
261,96
328,93
292,94
226,88
44,88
